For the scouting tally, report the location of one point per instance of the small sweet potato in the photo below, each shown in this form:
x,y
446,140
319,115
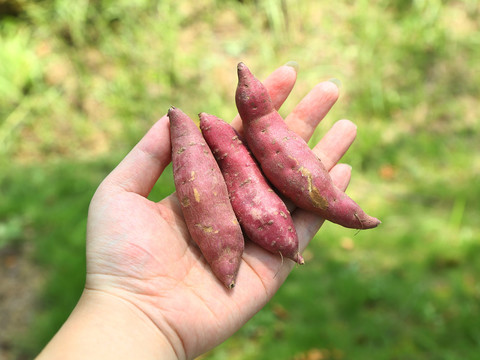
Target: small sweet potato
x,y
288,162
262,214
203,196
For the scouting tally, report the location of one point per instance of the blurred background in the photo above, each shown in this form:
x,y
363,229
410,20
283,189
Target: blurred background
x,y
82,81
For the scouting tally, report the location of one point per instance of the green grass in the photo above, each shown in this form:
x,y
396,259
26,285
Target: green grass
x,y
80,82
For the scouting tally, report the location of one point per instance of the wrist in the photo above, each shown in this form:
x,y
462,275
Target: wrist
x,y
105,326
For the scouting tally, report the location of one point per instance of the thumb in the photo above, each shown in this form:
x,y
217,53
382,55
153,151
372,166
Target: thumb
x,y
140,169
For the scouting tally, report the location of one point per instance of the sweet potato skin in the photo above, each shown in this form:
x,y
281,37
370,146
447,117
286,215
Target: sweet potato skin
x,y
288,162
203,196
261,212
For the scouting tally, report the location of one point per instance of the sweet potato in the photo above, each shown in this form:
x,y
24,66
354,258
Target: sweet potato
x,y
288,162
203,196
262,214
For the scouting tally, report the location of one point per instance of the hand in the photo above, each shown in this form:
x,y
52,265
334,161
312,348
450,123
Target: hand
x,y
139,252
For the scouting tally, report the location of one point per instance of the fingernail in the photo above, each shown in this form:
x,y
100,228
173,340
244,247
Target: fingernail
x,y
336,82
292,64
347,168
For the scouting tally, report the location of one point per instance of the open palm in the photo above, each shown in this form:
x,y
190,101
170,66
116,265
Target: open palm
x,y
140,250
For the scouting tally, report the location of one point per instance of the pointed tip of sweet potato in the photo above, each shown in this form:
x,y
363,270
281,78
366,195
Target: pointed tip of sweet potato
x,y
251,97
229,281
173,112
205,117
376,222
226,266
241,65
369,222
244,73
299,259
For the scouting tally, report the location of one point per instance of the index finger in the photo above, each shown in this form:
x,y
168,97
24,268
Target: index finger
x,y
312,109
142,166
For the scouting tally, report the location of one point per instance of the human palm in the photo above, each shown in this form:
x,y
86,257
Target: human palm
x,y
141,251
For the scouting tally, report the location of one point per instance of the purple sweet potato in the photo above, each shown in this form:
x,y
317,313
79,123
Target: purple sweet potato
x,y
203,196
287,160
262,214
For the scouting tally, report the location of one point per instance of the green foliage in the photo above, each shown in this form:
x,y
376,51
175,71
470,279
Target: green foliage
x,y
80,82
20,67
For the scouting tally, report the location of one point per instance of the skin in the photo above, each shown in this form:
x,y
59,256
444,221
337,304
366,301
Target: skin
x,y
149,294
